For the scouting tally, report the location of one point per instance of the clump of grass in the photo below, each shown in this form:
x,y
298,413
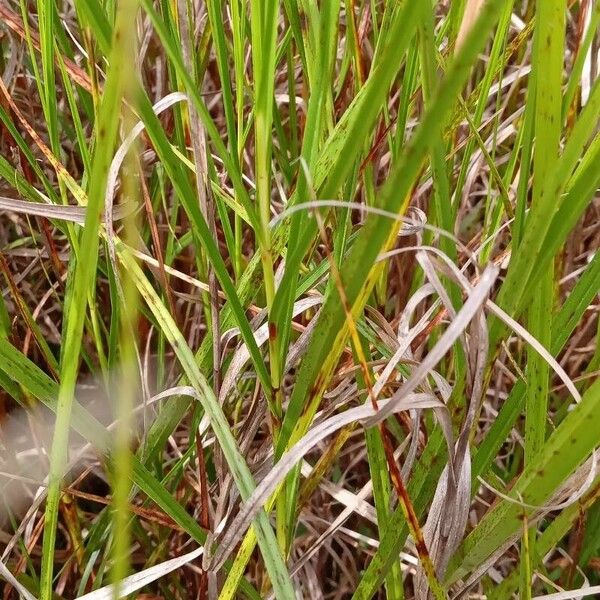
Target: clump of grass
x,y
332,270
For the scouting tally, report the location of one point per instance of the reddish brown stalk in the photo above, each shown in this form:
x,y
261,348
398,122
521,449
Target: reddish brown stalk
x,y
383,131
204,520
68,508
360,69
148,514
406,503
363,28
156,242
57,264
575,545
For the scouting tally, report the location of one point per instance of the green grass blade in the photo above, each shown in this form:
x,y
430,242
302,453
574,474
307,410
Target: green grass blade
x,y
83,283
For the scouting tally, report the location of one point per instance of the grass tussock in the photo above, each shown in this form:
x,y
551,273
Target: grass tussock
x,y
299,299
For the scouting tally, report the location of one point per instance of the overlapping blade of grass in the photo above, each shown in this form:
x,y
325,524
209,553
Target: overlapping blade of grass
x,y
173,412
314,134
567,448
427,470
550,538
334,163
340,152
335,160
232,107
25,373
548,49
83,275
79,193
399,400
556,212
304,30
276,568
185,192
173,50
563,325
96,15
239,469
356,274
